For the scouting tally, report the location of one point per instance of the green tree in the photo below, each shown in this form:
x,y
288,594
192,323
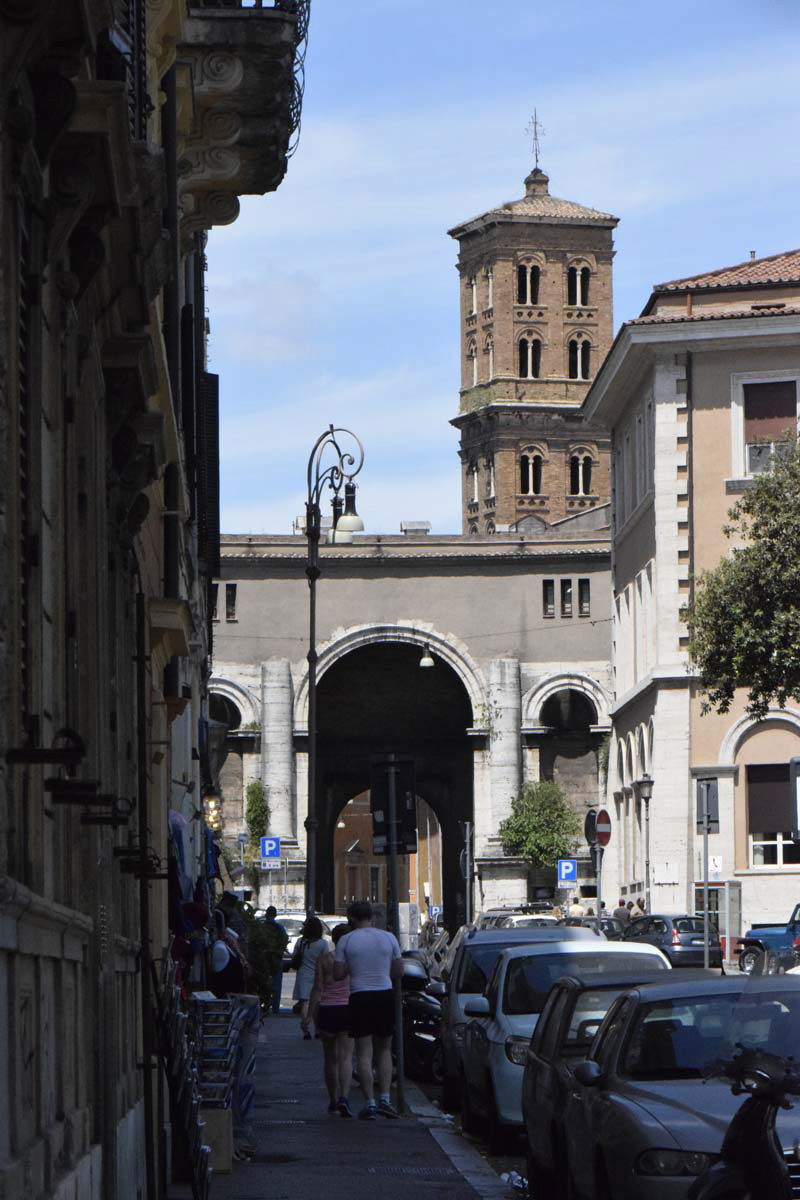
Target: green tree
x,y
256,812
744,621
542,827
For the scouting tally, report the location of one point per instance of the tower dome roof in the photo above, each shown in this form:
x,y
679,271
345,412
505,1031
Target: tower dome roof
x,y
537,205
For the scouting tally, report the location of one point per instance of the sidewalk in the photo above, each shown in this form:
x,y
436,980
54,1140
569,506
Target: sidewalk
x,y
303,1153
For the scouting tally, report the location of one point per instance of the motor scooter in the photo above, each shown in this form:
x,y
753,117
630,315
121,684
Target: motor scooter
x,y
422,1022
751,1164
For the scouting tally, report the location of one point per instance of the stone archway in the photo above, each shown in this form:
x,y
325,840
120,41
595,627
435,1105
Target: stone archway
x,y
376,699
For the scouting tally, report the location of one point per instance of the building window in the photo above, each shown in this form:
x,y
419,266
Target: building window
x,y
770,422
530,358
528,285
566,597
375,884
530,474
578,285
490,488
473,471
489,288
580,474
584,598
490,356
549,597
473,295
770,816
580,358
214,595
472,354
230,601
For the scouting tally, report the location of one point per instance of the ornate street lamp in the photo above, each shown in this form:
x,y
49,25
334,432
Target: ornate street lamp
x,y
336,474
645,789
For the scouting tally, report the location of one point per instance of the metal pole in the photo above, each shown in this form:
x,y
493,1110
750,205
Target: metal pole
x,y
394,918
598,850
647,854
468,870
706,952
144,899
313,573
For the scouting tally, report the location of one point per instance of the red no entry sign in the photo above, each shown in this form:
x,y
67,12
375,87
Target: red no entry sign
x,y
603,827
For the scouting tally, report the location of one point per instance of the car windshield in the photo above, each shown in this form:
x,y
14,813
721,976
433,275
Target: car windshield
x,y
691,925
477,967
290,924
688,1039
528,980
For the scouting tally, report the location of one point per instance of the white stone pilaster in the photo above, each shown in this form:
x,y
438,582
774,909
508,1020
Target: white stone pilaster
x,y
505,750
277,751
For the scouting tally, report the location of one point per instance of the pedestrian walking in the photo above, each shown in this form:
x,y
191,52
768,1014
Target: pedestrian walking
x,y
309,947
274,941
328,1010
371,959
642,905
621,913
576,908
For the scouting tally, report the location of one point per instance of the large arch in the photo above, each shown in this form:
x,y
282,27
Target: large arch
x,y
540,693
243,699
451,650
739,730
377,700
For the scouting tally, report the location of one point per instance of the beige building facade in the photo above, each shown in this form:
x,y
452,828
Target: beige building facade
x,y
696,393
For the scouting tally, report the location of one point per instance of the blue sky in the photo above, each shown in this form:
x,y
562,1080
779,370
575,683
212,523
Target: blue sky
x,y
336,299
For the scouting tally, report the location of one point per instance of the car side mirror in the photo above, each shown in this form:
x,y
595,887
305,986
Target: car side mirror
x,y
589,1073
478,1007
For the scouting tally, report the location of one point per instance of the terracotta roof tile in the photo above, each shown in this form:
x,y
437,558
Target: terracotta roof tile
x,y
538,205
777,268
672,318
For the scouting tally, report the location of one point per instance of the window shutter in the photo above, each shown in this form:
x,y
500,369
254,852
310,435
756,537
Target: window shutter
x,y
770,411
769,799
208,472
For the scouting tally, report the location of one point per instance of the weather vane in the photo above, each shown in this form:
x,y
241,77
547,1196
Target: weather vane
x,y
535,129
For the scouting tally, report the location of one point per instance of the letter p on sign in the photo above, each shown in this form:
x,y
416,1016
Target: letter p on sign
x,y
270,847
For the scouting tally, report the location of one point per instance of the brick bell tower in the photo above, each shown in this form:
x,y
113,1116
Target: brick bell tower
x,y
536,323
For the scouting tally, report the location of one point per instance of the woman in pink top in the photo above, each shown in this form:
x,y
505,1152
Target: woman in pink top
x,y
328,1009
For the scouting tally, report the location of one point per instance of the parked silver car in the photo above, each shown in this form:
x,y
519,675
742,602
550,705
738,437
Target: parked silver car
x,y
647,1112
503,1019
466,975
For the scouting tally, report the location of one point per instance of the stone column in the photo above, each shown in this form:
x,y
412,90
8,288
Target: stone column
x,y
277,766
505,751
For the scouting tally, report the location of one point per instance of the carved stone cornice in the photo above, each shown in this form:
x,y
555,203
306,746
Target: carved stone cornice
x,y
242,66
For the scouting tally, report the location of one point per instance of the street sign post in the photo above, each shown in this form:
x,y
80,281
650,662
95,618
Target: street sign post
x,y
270,847
603,833
567,872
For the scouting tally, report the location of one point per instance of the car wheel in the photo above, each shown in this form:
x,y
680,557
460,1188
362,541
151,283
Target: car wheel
x,y
470,1121
748,959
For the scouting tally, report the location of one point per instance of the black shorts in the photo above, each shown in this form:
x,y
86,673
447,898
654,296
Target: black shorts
x,y
371,1014
332,1019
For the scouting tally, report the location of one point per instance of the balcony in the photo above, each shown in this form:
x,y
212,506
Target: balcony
x,y
246,62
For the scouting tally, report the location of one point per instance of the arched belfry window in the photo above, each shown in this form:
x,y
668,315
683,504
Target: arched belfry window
x,y
528,278
581,465
489,348
531,470
472,353
473,294
579,356
578,279
530,357
472,471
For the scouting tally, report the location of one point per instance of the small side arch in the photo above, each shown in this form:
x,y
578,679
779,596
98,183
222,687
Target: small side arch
x,y
739,730
238,695
535,698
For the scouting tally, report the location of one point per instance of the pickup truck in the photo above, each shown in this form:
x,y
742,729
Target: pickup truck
x,y
780,941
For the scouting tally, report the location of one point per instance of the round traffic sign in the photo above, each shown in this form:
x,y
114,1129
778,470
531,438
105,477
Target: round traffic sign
x,y
590,826
603,827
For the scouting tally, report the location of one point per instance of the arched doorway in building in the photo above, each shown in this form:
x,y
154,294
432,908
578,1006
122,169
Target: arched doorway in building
x,y
376,700
568,754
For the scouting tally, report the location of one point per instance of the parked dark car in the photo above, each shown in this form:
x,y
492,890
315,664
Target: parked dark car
x,y
572,1015
679,937
610,926
649,1107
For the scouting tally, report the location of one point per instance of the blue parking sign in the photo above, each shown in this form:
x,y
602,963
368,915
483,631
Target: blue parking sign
x,y
270,847
567,870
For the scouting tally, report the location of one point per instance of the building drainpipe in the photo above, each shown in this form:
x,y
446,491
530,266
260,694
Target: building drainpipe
x,y
690,547
144,900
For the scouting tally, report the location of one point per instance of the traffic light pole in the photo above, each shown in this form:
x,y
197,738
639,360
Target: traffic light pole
x,y
392,771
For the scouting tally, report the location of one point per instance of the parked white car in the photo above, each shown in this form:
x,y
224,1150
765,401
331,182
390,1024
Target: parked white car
x,y
501,1021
